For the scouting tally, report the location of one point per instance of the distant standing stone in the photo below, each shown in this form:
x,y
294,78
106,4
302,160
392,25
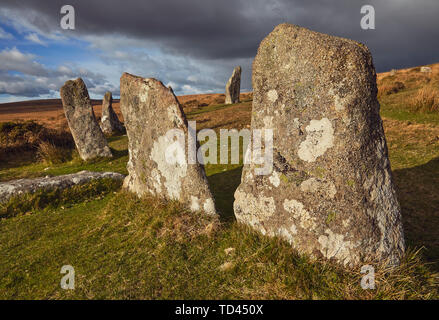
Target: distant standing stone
x,y
158,161
88,136
330,193
110,123
233,87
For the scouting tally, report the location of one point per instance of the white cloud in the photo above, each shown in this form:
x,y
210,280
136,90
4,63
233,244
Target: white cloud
x,y
14,60
21,75
33,37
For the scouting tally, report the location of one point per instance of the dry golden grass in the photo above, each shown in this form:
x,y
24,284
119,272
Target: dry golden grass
x,y
51,154
426,99
24,139
389,88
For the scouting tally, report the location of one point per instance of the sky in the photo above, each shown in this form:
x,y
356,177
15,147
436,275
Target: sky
x,y
191,45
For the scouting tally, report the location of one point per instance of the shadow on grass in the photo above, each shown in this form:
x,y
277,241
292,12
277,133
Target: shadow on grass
x,y
223,186
418,194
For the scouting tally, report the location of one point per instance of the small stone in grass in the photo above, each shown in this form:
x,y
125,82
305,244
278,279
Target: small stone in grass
x,y
226,266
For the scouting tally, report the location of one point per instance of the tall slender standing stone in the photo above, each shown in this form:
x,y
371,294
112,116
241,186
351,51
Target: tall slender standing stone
x,y
233,86
110,122
157,130
330,193
89,139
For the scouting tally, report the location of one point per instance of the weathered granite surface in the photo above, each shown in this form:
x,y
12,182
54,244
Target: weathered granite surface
x,y
158,161
330,193
233,87
19,187
88,136
110,123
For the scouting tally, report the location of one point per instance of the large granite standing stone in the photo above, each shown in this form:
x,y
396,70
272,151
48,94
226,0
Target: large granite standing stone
x,y
233,87
330,193
89,139
158,161
110,123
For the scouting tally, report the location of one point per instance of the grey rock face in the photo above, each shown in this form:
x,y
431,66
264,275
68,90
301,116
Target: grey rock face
x,y
233,86
89,139
110,123
158,161
23,186
330,193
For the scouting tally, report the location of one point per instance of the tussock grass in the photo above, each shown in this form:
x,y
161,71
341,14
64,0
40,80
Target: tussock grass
x,y
389,88
31,139
426,99
50,154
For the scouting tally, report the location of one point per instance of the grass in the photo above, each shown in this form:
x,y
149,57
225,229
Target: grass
x,y
123,247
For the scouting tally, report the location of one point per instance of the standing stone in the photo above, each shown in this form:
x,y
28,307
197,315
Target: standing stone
x,y
330,193
233,86
158,162
110,122
425,69
89,139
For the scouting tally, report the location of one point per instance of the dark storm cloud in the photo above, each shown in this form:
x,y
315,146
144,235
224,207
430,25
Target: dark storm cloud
x,y
406,31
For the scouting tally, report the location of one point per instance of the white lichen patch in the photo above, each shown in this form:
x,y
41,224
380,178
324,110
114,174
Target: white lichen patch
x,y
195,203
156,181
300,214
268,122
174,116
252,210
275,178
143,96
272,95
287,233
320,137
209,206
172,171
249,176
333,245
313,185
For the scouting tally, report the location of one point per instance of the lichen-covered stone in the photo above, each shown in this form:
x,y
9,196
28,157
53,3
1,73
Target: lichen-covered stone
x,y
88,136
330,193
233,86
110,123
151,111
28,186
